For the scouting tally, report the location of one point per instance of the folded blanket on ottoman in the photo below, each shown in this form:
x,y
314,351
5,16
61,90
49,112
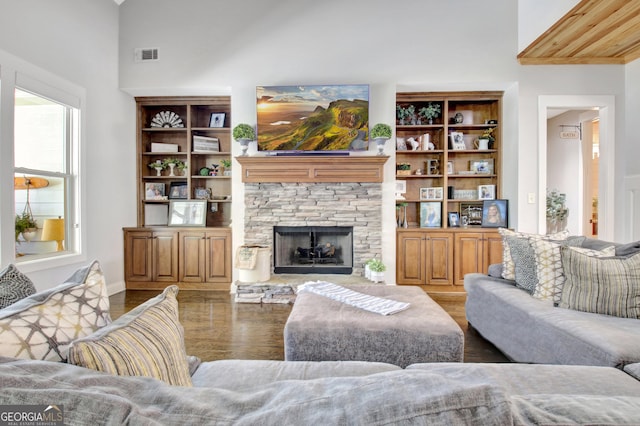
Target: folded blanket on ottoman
x,y
367,302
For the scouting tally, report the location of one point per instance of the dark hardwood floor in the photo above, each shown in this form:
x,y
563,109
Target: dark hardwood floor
x,y
218,328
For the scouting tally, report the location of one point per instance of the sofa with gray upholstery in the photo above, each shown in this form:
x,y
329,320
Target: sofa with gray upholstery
x,y
529,329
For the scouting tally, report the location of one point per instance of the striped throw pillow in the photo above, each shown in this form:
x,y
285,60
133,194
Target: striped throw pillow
x,y
609,286
147,341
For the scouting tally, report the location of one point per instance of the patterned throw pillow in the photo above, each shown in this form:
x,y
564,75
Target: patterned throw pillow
x,y
147,341
43,325
508,266
549,265
609,286
524,262
14,285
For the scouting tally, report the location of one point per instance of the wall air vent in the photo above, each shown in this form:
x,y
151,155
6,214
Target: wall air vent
x,y
146,54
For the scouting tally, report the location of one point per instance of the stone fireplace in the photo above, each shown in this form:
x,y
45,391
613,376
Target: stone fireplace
x,y
355,205
315,192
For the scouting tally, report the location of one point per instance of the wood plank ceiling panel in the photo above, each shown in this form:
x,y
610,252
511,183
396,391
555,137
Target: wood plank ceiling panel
x,y
593,32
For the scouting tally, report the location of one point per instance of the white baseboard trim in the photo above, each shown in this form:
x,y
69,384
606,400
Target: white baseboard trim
x,y
115,288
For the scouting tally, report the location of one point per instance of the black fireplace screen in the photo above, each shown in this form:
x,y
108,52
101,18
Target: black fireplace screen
x,y
313,249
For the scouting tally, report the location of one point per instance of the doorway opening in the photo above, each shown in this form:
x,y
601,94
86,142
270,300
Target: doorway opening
x,y
594,116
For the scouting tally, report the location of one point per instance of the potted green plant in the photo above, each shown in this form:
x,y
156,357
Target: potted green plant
x,y
431,111
226,164
377,269
244,134
158,165
401,114
380,133
25,223
174,163
557,211
403,169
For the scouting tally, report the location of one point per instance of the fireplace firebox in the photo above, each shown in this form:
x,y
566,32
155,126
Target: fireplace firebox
x,y
313,249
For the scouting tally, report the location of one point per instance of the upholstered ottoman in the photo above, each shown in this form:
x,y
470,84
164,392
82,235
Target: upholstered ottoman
x,y
322,329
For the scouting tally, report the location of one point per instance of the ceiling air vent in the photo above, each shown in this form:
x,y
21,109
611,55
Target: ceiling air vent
x,y
146,54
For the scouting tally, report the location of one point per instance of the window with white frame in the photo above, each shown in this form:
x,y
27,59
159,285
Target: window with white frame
x,y
46,139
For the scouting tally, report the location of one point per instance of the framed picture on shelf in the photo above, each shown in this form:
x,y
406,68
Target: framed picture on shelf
x,y
495,213
154,191
178,190
188,213
217,119
450,168
454,220
202,193
457,141
401,144
401,188
482,166
472,212
486,192
435,193
203,144
430,214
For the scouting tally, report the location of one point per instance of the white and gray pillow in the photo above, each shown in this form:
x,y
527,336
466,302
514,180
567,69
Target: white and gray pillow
x,y
43,325
508,265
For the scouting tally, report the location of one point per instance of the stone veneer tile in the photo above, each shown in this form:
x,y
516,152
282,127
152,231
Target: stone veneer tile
x,y
317,204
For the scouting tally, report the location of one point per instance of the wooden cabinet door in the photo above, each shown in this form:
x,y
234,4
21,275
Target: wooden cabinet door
x,y
192,256
492,250
410,259
165,256
468,255
138,259
218,256
439,258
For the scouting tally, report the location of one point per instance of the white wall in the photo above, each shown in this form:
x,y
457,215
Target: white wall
x,y
632,183
77,40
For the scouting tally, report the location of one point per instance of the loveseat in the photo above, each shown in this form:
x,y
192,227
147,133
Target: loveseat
x,y
546,326
66,355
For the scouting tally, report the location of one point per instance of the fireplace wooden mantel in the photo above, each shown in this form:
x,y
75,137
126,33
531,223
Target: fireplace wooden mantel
x,y
312,169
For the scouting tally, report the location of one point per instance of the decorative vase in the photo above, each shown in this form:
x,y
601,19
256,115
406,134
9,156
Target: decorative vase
x,y
430,120
158,171
380,143
171,167
404,219
244,143
399,217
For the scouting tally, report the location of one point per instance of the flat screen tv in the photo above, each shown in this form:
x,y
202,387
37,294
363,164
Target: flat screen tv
x,y
313,118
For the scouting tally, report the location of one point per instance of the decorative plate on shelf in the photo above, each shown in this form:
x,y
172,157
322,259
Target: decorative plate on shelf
x,y
166,119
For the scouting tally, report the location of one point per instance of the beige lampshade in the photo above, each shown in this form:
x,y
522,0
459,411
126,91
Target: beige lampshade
x,y
53,230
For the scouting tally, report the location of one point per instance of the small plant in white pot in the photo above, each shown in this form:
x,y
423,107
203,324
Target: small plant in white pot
x,y
244,134
377,270
380,133
159,166
227,166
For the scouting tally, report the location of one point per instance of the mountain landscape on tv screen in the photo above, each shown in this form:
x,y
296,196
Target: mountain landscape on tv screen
x,y
312,118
